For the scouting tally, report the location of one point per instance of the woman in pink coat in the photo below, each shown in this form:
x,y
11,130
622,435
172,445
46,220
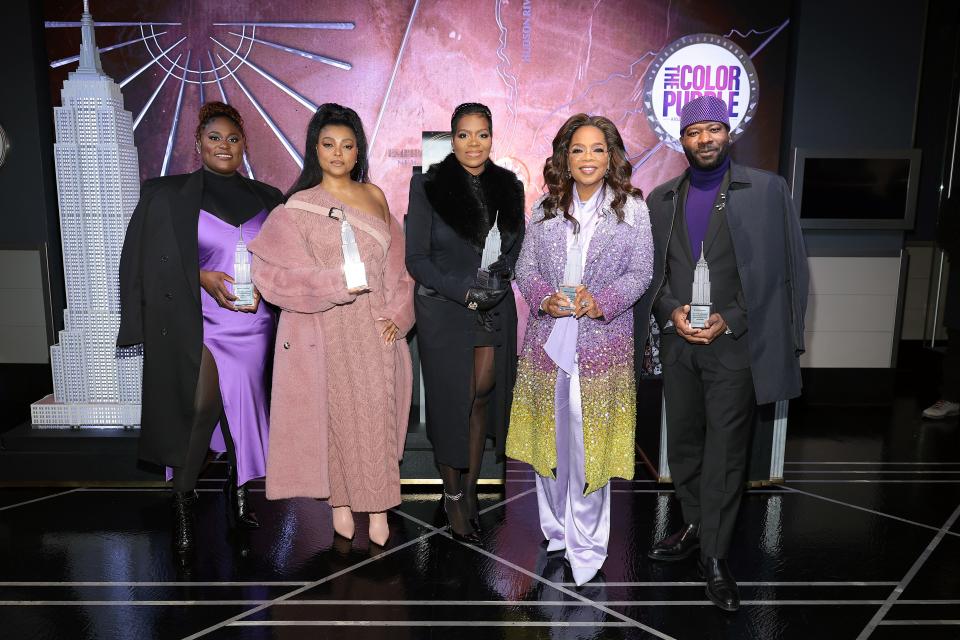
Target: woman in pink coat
x,y
342,375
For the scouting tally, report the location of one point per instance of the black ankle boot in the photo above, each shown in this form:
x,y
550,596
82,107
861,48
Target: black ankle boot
x,y
238,502
183,519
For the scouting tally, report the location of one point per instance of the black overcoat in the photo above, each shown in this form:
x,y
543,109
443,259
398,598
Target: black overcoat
x,y
772,267
160,306
445,232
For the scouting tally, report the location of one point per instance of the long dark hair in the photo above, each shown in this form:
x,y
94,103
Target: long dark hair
x,y
327,114
560,183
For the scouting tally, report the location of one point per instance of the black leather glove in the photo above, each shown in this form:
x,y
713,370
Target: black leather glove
x,y
483,299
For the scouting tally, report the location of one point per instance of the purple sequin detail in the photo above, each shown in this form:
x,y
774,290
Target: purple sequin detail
x,y
619,269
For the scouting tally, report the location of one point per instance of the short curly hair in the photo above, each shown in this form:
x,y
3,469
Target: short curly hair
x,y
210,111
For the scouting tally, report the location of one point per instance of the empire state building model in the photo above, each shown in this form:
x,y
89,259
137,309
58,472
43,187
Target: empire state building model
x,y
98,184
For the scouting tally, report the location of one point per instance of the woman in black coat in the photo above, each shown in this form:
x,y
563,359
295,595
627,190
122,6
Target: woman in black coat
x,y
169,253
466,327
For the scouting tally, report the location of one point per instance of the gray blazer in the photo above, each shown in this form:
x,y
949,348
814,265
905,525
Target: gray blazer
x,y
772,268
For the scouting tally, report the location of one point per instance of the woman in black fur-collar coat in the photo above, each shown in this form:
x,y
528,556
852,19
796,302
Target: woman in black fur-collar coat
x,y
467,334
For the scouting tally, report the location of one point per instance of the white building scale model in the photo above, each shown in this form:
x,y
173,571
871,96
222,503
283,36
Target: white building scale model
x,y
701,280
98,182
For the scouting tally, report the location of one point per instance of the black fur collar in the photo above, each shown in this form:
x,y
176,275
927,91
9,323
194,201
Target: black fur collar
x,y
451,196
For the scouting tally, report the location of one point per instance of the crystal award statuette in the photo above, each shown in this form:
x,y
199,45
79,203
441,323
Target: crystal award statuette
x,y
700,306
491,253
572,272
353,269
242,284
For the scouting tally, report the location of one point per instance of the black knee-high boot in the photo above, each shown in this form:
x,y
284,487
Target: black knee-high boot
x,y
183,521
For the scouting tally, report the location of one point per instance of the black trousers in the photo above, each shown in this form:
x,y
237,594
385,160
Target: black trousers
x,y
710,410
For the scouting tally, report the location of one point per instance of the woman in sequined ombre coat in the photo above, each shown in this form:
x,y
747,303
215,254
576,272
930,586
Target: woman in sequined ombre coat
x,y
577,357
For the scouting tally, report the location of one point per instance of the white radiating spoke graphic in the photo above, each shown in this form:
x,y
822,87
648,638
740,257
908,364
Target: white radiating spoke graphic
x,y
337,26
56,24
266,118
216,76
152,97
333,62
63,61
283,87
176,64
162,58
769,38
223,97
149,64
176,120
200,85
393,76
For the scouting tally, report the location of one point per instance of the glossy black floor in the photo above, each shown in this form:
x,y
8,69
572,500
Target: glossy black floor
x,y
863,540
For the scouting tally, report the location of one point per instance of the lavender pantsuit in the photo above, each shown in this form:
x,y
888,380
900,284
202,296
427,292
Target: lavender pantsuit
x,y
575,460
570,520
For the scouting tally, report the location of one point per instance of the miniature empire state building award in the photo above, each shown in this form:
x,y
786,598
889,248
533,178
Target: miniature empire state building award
x,y
242,284
353,269
700,306
572,272
491,253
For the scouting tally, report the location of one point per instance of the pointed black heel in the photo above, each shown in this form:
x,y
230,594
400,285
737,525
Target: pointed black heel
x,y
467,538
475,523
238,502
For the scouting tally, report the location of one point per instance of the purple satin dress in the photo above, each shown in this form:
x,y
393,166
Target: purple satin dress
x,y
242,344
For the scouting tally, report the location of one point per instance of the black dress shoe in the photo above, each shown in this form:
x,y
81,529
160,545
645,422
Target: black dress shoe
x,y
721,587
475,523
678,546
183,518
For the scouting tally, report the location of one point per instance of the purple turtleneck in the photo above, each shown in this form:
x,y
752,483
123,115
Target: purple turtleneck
x,y
704,185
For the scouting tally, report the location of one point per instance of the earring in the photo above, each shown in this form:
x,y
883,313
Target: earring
x,y
607,172
198,147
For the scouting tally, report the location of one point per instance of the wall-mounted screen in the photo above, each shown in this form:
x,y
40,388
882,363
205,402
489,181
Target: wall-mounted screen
x,y
856,189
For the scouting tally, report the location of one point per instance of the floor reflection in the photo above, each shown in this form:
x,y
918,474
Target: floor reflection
x,y
869,513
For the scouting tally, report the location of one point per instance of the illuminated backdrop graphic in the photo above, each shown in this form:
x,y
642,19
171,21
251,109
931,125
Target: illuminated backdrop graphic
x,y
403,66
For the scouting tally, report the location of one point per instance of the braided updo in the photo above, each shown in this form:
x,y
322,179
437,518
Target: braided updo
x,y
467,109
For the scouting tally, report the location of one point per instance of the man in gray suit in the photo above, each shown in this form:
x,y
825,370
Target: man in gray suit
x,y
745,353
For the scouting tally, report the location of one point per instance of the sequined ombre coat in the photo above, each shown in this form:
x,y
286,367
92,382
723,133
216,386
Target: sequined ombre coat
x,y
619,267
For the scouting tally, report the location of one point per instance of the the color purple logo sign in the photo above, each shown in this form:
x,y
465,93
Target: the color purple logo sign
x,y
696,65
